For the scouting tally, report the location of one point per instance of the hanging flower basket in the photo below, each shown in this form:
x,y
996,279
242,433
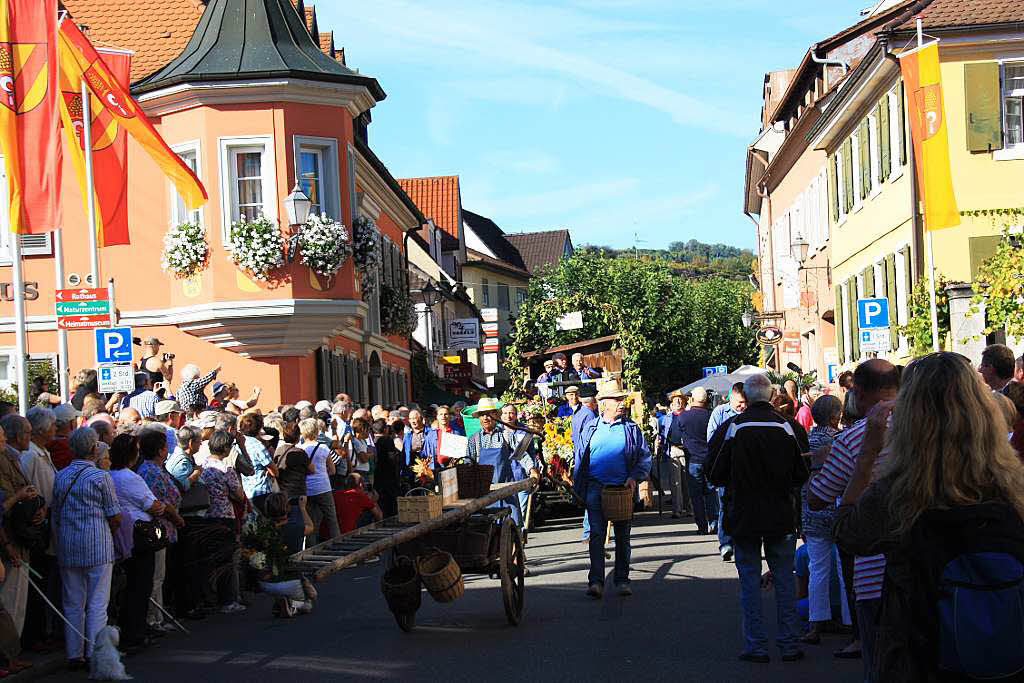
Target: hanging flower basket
x,y
366,254
323,245
186,251
397,312
256,246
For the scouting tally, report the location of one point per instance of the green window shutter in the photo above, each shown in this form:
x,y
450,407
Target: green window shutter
x,y
869,282
851,299
840,340
900,97
890,294
833,188
848,174
908,277
884,146
984,108
864,141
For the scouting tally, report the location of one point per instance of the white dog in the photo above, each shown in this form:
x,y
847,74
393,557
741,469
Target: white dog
x,y
105,664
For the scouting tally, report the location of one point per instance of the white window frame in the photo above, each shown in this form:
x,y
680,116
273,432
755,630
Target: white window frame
x,y
229,148
895,137
195,147
902,299
858,203
848,327
330,175
31,245
351,159
879,273
841,185
874,155
1016,151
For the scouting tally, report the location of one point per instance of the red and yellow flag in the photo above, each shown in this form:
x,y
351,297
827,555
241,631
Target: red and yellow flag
x,y
79,60
923,84
29,115
109,145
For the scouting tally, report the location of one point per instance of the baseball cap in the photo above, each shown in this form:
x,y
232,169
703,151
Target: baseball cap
x,y
65,412
152,341
699,395
322,405
167,407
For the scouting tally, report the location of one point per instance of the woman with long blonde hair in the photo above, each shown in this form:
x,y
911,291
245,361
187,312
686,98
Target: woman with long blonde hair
x,y
934,485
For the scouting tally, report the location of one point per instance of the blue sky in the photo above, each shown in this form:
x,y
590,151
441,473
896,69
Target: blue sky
x,y
607,117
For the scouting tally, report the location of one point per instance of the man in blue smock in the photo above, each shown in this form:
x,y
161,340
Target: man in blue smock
x,y
611,452
493,445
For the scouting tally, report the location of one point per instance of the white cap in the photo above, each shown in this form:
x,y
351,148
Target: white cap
x,y
322,405
299,405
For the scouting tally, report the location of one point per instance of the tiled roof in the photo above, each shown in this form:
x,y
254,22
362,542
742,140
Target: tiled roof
x,y
949,13
438,198
541,249
477,258
155,30
493,236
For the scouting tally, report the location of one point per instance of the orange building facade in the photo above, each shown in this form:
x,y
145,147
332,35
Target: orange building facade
x,y
251,136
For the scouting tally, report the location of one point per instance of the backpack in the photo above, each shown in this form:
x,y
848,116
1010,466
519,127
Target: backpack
x,y
970,564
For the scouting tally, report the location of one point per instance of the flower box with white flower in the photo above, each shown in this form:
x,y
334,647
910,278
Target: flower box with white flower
x,y
256,246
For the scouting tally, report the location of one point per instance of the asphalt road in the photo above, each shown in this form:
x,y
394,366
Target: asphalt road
x,y
681,624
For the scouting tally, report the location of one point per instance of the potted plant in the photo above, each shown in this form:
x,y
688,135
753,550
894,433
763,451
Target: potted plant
x,y
366,253
397,313
323,245
185,251
256,246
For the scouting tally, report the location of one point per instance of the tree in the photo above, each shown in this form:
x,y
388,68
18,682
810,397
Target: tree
x,y
999,286
668,327
918,329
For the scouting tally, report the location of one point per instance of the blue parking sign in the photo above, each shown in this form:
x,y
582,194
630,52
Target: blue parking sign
x,y
113,344
872,313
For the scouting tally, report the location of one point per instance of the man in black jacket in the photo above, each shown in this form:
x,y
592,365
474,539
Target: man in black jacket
x,y
758,457
690,431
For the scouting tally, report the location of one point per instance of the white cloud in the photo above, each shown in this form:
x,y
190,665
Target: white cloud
x,y
531,161
510,212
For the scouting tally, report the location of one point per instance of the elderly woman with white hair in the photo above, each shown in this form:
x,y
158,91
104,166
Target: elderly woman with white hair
x,y
191,394
85,513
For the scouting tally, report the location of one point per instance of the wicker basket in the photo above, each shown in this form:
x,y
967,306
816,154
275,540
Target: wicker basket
x,y
474,480
617,503
401,587
416,509
441,575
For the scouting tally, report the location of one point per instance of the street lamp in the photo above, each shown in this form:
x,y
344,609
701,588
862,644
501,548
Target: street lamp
x,y
297,206
747,318
798,249
431,295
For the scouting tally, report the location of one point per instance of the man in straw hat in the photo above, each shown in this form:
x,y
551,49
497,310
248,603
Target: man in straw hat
x,y
611,452
495,445
674,456
572,402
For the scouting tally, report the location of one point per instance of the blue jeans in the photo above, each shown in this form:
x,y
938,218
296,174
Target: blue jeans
x,y
724,539
779,552
703,497
597,532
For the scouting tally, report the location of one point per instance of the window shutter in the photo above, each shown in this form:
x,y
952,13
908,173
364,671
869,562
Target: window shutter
x,y
903,123
984,109
884,146
833,188
851,300
869,282
890,294
864,140
908,278
848,173
839,323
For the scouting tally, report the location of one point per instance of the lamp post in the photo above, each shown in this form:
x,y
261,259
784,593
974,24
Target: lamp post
x,y
747,318
296,206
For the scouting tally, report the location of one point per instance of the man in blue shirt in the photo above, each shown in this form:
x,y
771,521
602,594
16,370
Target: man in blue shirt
x,y
572,402
611,452
736,404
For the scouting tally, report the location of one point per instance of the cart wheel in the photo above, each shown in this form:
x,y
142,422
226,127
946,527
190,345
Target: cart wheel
x,y
512,568
406,622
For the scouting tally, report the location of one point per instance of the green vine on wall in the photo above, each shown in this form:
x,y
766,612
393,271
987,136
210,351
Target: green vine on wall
x,y
918,329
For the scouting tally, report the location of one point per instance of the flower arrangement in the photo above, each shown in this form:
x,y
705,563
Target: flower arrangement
x,y
397,313
256,246
264,548
558,449
365,253
185,250
323,245
424,473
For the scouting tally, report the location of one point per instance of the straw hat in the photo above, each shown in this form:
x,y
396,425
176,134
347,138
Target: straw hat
x,y
676,394
486,404
611,389
572,390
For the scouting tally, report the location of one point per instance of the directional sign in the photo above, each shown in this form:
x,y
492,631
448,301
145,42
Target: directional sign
x,y
115,377
490,329
873,313
489,315
82,322
83,308
491,346
83,294
875,339
114,345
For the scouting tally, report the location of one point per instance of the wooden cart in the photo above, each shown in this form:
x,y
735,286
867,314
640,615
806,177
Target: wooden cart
x,y
482,540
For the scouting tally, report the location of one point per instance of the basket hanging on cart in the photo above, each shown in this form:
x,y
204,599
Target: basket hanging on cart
x,y
401,587
617,503
441,575
474,479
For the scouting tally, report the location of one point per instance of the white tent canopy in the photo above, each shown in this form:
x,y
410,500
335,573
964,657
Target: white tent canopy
x,y
721,384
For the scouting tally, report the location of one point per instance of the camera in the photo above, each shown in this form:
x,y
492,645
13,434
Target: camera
x,y
168,356
137,341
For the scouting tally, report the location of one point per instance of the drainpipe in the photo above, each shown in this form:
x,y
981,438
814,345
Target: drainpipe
x,y
830,62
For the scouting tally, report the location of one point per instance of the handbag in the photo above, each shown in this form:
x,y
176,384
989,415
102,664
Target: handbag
x,y
196,499
150,535
27,534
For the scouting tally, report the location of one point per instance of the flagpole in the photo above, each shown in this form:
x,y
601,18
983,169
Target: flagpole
x,y
20,336
929,243
90,194
62,335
